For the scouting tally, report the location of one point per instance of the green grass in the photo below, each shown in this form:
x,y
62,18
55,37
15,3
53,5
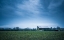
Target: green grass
x,y
31,35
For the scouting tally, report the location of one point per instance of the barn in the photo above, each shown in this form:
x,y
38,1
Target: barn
x,y
43,28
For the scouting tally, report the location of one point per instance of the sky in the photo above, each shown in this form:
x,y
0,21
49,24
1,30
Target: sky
x,y
31,13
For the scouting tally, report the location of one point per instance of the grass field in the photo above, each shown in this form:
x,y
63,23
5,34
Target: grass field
x,y
31,35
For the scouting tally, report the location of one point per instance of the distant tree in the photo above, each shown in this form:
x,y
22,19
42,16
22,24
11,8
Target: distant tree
x,y
58,28
51,27
1,29
16,29
34,29
27,29
8,29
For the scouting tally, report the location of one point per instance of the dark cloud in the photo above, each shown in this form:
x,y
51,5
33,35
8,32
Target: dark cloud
x,y
52,5
7,8
53,9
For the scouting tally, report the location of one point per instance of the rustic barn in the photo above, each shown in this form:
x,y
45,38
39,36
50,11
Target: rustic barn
x,y
42,28
45,28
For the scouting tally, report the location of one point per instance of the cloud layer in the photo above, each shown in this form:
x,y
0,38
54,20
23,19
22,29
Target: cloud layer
x,y
12,11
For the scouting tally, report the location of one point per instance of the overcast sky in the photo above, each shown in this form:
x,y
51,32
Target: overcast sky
x,y
31,13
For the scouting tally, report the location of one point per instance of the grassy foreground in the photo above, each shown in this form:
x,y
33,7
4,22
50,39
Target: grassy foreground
x,y
31,35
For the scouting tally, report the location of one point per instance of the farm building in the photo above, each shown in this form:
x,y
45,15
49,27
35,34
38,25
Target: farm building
x,y
40,28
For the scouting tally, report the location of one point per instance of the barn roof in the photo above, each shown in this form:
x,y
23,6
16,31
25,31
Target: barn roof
x,y
43,26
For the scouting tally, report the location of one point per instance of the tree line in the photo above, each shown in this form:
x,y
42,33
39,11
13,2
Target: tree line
x,y
17,29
